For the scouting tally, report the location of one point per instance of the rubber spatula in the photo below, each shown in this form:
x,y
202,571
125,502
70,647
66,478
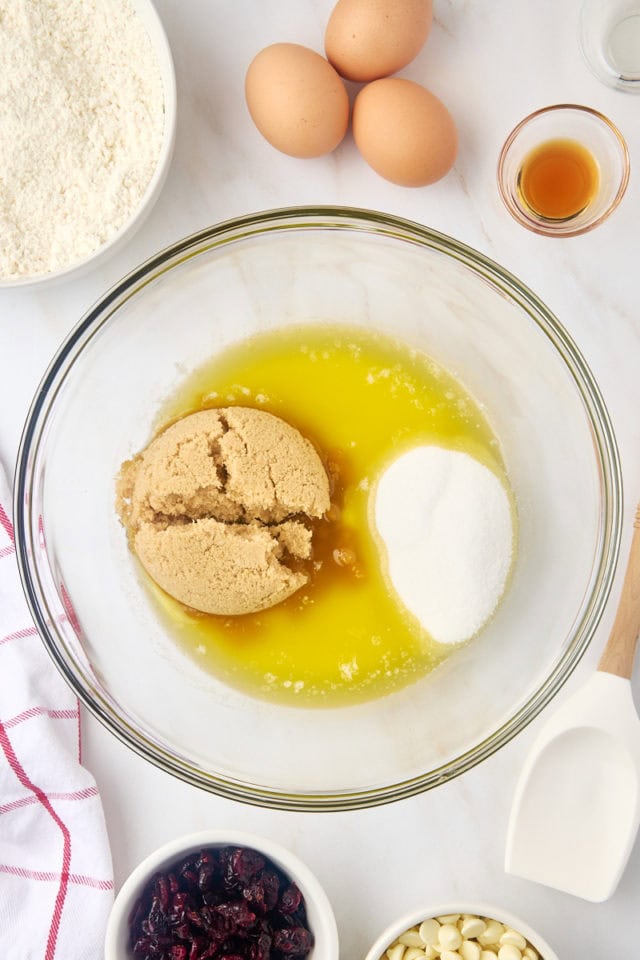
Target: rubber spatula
x,y
576,808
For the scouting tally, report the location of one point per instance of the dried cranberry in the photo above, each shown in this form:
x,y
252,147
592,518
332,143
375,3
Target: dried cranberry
x,y
179,905
262,892
188,873
254,895
151,947
261,949
198,946
271,883
178,952
194,917
208,857
237,915
242,864
162,893
210,951
294,942
206,876
290,899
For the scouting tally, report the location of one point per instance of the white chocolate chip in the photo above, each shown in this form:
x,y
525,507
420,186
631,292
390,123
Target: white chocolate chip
x,y
411,938
429,931
488,955
449,936
450,955
430,952
492,933
471,927
509,952
514,938
396,952
469,950
414,953
530,953
449,918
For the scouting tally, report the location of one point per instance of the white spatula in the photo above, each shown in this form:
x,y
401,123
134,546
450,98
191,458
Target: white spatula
x,y
576,808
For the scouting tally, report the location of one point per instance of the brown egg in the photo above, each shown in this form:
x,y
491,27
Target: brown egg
x,y
297,100
368,39
404,132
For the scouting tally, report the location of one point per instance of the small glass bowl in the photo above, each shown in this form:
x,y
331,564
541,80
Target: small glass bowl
x,y
609,38
592,130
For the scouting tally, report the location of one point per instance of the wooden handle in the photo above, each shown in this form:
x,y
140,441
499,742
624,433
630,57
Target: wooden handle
x,y
619,652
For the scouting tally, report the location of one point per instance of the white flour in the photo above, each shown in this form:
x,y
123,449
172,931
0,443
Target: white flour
x,y
445,520
81,126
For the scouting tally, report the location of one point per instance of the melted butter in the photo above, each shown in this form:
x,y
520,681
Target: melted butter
x,y
362,399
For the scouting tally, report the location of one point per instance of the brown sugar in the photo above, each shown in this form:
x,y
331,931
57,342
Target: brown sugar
x,y
219,509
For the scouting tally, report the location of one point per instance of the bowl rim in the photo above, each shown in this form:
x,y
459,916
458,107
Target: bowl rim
x,y
146,12
554,228
354,220
476,909
289,862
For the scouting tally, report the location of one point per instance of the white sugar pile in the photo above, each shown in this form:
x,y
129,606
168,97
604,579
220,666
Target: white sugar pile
x,y
81,128
447,526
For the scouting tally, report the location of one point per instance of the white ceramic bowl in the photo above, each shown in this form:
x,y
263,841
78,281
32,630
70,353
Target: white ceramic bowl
x,y
151,21
398,927
319,913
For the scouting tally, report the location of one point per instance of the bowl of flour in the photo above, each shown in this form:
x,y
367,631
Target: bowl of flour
x,y
86,131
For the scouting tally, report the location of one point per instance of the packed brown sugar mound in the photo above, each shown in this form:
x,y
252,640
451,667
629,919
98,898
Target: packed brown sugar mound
x,y
219,506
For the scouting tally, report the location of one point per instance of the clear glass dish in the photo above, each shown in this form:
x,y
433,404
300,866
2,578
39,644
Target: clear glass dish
x,y
96,406
609,37
565,121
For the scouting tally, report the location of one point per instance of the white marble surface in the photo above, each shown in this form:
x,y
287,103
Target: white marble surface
x,y
492,61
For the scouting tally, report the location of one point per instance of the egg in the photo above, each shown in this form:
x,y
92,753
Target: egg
x,y
369,39
297,100
404,132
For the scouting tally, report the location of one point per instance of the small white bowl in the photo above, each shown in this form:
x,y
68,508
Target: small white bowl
x,y
153,25
319,913
416,917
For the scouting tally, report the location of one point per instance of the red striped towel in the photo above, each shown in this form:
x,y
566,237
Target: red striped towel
x,y
56,878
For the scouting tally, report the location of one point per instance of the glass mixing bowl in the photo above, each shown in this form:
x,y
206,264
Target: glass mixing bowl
x,y
96,407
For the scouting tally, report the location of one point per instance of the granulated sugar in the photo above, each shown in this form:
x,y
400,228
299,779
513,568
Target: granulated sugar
x,y
81,127
446,523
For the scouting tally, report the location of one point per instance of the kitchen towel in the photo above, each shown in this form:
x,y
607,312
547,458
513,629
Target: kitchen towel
x,y
56,878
